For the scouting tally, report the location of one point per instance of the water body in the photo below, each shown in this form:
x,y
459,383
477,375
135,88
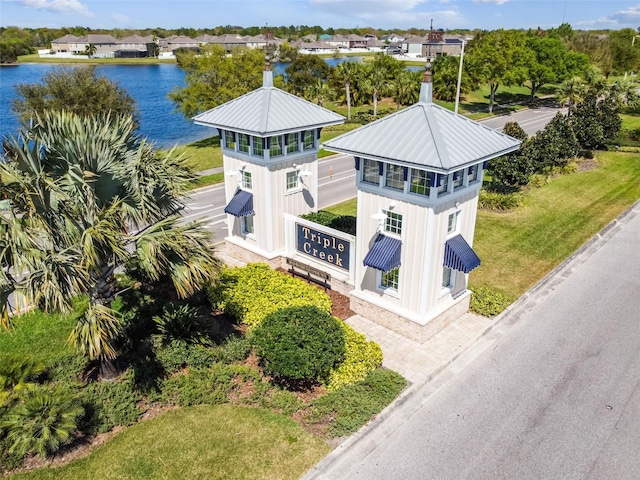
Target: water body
x,y
148,84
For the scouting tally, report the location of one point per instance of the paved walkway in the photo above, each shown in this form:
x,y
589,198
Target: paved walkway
x,y
420,362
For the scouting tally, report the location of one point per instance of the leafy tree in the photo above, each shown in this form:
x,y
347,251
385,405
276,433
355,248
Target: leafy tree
x,y
88,195
78,90
305,71
14,42
514,169
597,120
596,47
214,78
550,62
498,57
624,55
287,53
445,78
553,145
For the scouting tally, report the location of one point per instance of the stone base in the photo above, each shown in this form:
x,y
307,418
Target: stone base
x,y
407,327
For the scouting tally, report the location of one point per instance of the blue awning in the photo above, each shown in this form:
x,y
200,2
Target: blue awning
x,y
384,254
241,204
459,255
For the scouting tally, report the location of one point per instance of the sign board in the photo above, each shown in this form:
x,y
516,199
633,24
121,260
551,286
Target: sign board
x,y
323,247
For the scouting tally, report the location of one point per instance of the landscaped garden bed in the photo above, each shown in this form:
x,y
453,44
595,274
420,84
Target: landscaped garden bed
x,y
186,368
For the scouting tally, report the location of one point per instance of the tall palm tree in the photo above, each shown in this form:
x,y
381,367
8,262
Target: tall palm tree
x,y
407,87
87,195
346,73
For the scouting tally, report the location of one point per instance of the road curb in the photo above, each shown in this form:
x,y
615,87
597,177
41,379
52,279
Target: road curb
x,y
376,431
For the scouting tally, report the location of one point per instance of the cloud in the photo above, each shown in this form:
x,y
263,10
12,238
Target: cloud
x,y
392,13
361,6
497,2
60,6
623,18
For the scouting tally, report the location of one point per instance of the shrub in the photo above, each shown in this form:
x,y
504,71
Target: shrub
x,y
177,354
183,322
42,423
234,349
209,385
342,223
489,302
299,343
17,373
352,406
250,293
499,201
361,358
109,404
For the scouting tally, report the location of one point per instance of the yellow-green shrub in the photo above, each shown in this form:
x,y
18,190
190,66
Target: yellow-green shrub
x,y
361,358
251,293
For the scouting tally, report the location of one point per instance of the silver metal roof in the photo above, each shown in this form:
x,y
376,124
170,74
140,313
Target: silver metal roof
x,y
268,111
428,135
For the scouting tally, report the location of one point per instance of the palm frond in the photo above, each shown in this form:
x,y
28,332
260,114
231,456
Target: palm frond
x,y
95,331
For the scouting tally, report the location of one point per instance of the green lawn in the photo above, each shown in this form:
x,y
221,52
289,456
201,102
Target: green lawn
x,y
41,336
202,154
206,442
520,247
630,121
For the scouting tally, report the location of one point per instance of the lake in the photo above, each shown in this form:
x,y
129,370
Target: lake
x,y
148,84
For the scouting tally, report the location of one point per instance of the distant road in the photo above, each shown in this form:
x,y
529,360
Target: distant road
x,y
337,176
531,120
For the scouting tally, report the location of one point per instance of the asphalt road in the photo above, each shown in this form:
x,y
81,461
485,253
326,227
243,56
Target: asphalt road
x,y
556,396
337,176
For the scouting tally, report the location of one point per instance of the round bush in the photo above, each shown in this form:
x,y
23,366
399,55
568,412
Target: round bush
x,y
299,343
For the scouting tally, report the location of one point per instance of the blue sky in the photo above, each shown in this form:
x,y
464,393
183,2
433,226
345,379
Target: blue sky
x,y
387,14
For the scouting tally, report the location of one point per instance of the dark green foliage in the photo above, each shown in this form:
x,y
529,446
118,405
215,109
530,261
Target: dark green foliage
x,y
299,343
352,406
554,145
587,124
78,90
513,129
488,302
304,72
199,386
343,223
183,322
234,349
42,422
17,373
511,170
110,403
177,354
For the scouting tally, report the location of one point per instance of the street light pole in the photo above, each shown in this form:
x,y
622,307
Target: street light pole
x,y
459,78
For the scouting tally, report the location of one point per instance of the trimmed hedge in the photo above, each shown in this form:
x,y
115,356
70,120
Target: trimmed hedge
x,y
488,302
361,358
299,343
251,293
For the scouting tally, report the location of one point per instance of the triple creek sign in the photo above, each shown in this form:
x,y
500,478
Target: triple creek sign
x,y
323,246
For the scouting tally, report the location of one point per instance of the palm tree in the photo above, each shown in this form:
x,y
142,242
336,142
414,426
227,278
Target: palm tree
x,y
346,73
90,50
377,82
319,90
407,87
87,195
572,91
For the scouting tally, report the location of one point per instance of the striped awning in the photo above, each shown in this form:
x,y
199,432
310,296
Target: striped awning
x,y
241,204
459,255
384,254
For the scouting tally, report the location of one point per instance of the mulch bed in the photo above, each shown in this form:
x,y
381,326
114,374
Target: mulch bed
x,y
339,303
